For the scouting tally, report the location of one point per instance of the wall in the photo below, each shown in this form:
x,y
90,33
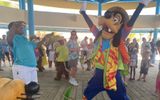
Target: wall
x,y
8,14
66,21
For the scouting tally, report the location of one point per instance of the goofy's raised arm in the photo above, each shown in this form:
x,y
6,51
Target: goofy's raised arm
x,y
134,17
89,22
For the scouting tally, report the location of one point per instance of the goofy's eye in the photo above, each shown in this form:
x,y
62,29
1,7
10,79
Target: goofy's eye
x,y
115,20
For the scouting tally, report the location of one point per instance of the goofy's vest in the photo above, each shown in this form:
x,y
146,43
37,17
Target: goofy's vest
x,y
108,61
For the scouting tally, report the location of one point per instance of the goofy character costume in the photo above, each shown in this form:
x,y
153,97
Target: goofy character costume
x,y
110,50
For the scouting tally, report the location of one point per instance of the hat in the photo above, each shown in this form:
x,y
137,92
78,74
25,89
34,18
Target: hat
x,y
60,38
56,44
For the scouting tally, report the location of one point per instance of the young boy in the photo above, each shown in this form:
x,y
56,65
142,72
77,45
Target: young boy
x,y
61,54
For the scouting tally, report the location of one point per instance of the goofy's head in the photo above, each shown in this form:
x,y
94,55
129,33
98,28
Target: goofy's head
x,y
112,23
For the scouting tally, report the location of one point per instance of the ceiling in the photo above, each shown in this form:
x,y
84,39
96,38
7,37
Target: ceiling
x,y
92,4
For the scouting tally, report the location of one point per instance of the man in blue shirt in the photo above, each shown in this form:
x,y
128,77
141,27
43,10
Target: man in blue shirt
x,y
24,66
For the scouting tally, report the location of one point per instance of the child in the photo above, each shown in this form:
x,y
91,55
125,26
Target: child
x,y
158,75
133,51
61,54
51,55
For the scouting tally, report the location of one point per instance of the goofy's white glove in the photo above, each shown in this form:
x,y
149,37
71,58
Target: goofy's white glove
x,y
146,2
84,6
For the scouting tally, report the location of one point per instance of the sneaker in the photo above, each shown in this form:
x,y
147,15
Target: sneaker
x,y
57,79
73,82
76,82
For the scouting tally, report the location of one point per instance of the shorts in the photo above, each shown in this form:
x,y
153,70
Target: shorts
x,y
73,63
133,63
51,56
144,70
27,74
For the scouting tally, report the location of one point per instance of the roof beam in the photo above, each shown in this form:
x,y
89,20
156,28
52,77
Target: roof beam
x,y
158,7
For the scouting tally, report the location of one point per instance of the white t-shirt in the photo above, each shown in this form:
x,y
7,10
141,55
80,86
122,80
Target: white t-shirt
x,y
84,45
51,53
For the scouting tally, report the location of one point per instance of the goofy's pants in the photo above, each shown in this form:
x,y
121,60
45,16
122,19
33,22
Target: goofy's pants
x,y
95,85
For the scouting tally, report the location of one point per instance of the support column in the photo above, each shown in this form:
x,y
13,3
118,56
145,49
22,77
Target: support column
x,y
30,17
155,35
22,5
99,8
155,39
155,30
158,7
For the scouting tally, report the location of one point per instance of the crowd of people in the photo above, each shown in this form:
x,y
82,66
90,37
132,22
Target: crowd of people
x,y
66,54
26,55
46,53
147,50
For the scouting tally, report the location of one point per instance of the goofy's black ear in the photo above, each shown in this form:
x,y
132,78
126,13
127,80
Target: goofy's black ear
x,y
117,19
117,37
